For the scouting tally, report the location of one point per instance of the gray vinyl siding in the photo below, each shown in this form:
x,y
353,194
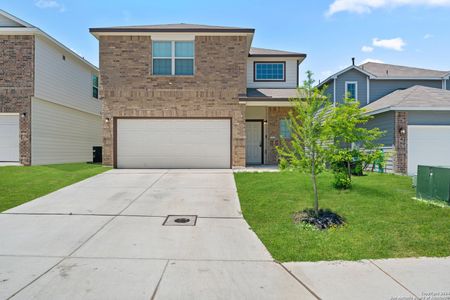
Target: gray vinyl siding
x,y
329,90
448,84
429,118
352,75
385,122
381,88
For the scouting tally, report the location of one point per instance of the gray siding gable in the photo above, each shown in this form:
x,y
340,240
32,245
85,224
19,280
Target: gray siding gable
x,y
381,88
352,75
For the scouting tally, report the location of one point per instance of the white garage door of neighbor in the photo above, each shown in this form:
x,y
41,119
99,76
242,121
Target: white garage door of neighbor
x,y
173,143
9,137
428,145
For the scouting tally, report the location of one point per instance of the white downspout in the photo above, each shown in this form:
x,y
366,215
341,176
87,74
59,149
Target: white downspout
x,y
368,90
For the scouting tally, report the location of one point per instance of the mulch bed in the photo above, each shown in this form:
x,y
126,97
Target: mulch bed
x,y
326,218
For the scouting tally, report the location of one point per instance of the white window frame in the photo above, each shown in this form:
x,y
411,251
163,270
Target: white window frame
x,y
173,57
93,86
356,88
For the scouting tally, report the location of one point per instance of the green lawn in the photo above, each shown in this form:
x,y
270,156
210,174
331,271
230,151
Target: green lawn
x,y
381,218
22,184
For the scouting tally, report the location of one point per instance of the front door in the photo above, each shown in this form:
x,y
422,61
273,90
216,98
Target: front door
x,y
254,142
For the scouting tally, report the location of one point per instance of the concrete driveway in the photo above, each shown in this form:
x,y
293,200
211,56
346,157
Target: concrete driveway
x,y
103,238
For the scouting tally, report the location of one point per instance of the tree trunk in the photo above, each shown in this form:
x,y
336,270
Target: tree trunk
x,y
349,169
316,195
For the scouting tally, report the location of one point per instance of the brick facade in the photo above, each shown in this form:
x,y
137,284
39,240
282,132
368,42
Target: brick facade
x,y
401,142
17,85
127,87
275,114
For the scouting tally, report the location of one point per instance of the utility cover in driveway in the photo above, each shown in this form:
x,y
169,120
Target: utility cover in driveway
x,y
173,143
180,221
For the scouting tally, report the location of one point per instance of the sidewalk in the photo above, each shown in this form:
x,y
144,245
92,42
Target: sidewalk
x,y
406,278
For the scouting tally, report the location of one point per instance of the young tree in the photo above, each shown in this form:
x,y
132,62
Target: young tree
x,y
309,127
350,139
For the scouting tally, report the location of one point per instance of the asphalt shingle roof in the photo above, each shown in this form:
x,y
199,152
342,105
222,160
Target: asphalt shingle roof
x,y
387,70
270,94
414,97
261,52
180,27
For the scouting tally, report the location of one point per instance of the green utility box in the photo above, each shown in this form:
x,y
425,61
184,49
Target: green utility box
x,y
433,183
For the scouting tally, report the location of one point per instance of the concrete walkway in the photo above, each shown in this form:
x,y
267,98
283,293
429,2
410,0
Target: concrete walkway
x,y
103,238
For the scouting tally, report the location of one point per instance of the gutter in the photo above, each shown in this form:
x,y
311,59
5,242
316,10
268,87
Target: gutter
x,y
406,108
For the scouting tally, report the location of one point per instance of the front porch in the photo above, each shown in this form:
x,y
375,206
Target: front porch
x,y
263,133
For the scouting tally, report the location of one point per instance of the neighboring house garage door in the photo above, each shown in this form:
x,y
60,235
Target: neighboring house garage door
x,y
9,137
173,143
428,145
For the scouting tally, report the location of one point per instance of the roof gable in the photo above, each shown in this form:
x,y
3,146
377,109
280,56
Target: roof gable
x,y
8,20
352,67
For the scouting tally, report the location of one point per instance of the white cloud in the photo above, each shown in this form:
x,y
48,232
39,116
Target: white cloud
x,y
367,49
396,44
366,6
427,36
372,60
50,4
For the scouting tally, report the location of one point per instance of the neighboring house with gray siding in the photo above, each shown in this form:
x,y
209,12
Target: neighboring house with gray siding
x,y
371,81
49,106
411,105
417,126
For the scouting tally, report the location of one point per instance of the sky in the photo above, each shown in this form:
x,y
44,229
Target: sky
x,y
331,32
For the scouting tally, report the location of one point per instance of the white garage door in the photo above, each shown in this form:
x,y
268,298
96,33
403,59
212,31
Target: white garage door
x,y
173,143
9,137
428,145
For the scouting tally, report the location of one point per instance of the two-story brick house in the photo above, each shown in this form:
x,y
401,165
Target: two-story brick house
x,y
49,106
412,106
192,96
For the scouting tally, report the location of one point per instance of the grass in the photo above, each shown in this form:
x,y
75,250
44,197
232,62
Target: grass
x,y
22,184
382,219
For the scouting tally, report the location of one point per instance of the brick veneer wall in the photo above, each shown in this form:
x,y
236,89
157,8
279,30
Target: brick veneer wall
x,y
127,87
275,114
401,143
17,85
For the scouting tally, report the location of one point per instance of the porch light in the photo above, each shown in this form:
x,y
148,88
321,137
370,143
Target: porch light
x,y
23,115
107,120
402,131
265,122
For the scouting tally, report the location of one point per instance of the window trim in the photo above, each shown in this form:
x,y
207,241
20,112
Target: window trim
x,y
356,89
95,87
173,58
269,62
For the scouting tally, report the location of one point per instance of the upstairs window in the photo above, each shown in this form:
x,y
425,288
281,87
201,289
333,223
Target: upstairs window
x,y
95,86
284,129
351,90
269,71
173,57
